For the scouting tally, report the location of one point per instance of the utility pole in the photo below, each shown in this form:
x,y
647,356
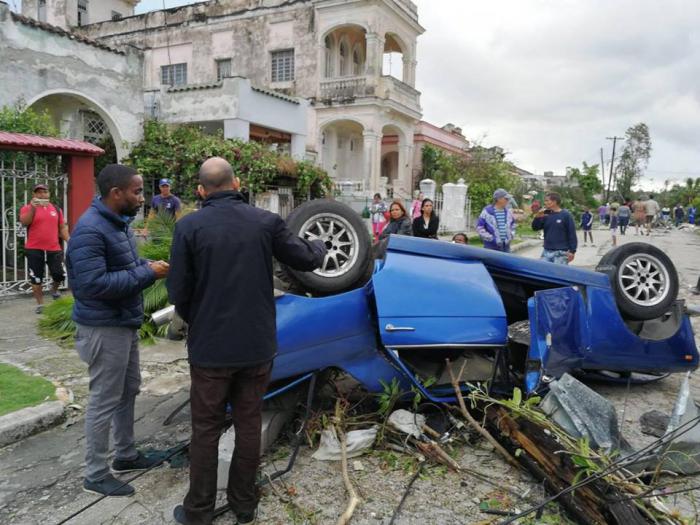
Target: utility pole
x,y
612,164
602,167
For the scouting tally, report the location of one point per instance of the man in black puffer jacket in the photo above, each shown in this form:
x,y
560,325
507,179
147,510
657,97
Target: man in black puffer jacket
x,y
221,285
107,277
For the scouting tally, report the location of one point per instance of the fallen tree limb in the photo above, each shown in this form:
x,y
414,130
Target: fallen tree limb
x,y
592,504
349,487
473,422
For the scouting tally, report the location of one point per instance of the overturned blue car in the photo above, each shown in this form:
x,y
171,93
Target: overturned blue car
x,y
416,307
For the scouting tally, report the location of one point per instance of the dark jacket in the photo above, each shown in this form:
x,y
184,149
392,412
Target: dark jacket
x,y
559,231
419,229
220,279
399,227
105,271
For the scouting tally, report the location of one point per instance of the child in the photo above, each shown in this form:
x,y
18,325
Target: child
x,y
614,222
587,226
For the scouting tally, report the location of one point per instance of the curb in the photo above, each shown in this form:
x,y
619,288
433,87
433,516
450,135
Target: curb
x,y
525,245
27,421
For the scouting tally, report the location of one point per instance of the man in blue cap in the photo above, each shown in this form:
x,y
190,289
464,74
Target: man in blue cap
x,y
166,202
496,224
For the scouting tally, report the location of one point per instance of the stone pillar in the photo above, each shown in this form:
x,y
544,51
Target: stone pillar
x,y
236,128
409,71
298,146
375,57
372,149
405,169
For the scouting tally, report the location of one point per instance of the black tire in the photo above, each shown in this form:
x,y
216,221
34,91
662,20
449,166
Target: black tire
x,y
346,266
643,278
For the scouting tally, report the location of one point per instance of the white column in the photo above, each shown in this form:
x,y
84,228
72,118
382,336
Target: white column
x,y
372,148
298,146
236,128
409,71
375,56
405,169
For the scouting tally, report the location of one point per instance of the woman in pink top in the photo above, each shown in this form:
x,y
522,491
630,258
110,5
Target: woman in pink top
x,y
416,205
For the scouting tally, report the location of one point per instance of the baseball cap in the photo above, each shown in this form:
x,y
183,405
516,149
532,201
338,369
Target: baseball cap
x,y
41,187
500,193
164,182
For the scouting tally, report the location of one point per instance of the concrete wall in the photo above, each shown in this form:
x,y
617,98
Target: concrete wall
x,y
36,63
64,13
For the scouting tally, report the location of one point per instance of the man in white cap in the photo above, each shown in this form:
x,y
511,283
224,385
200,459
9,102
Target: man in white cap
x,y
496,224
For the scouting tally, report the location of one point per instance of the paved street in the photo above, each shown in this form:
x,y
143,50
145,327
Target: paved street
x,y
41,476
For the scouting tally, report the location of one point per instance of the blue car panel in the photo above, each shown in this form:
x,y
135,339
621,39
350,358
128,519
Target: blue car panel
x,y
460,306
569,332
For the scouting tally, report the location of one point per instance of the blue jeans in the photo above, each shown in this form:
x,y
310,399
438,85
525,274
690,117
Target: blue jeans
x,y
555,256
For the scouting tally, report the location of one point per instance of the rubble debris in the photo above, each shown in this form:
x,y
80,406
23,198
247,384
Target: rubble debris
x,y
358,442
407,422
654,423
582,412
682,454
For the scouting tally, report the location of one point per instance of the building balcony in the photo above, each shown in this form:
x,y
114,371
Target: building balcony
x,y
344,89
347,90
393,89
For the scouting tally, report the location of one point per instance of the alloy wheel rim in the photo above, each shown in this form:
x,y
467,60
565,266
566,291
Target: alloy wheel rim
x,y
643,279
341,241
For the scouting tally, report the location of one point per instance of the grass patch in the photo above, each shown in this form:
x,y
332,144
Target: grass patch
x,y
19,390
524,229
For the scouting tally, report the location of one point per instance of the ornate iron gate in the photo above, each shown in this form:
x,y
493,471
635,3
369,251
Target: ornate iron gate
x,y
19,173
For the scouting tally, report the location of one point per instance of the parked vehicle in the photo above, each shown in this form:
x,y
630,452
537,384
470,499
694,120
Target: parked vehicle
x,y
428,305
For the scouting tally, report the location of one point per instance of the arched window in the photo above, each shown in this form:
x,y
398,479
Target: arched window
x,y
343,63
329,57
357,61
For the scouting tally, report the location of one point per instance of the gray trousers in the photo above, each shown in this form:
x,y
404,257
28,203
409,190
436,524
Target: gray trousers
x,y
112,356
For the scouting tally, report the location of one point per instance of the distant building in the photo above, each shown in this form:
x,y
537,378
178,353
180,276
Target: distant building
x,y
326,80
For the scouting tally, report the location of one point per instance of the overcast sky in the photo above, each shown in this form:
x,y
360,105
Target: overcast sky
x,y
549,80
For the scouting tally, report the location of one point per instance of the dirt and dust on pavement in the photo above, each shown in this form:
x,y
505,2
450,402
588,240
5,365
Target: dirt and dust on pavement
x,y
41,479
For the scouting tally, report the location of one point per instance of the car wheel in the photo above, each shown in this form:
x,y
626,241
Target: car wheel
x,y
643,278
346,238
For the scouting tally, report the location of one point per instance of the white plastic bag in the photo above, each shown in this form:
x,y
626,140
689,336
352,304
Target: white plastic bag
x,y
358,442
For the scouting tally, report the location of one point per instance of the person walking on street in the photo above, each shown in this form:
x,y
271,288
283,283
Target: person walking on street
x,y
378,211
221,285
678,214
692,210
399,222
624,213
614,224
639,210
107,278
560,240
602,212
46,229
496,224
426,226
166,202
652,208
587,226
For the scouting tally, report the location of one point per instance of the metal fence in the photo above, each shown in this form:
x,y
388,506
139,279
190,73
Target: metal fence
x,y
19,173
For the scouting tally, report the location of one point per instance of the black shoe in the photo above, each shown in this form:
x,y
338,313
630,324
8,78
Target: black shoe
x,y
110,486
179,515
56,295
246,518
140,462
695,290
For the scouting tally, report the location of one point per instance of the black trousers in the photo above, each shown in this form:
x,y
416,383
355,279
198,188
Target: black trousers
x,y
211,389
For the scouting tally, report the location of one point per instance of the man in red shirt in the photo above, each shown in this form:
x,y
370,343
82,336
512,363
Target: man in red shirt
x,y
46,227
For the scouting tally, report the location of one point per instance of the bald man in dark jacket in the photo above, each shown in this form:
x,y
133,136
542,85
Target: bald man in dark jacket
x,y
221,284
